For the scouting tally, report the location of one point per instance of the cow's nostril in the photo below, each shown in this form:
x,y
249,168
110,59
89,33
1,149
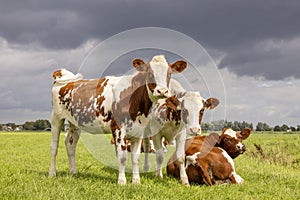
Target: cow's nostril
x,y
194,130
244,148
158,91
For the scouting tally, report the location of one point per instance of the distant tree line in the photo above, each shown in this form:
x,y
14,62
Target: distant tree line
x,y
42,124
38,125
236,125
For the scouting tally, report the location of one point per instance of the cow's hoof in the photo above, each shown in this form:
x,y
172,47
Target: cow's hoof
x,y
186,184
52,174
146,168
73,171
136,181
122,182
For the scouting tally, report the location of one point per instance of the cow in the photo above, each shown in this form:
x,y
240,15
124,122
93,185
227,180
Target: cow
x,y
174,118
209,159
119,105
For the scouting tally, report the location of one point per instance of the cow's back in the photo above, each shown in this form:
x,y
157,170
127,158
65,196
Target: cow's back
x,y
85,103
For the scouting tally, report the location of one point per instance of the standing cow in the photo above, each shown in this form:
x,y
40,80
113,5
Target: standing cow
x,y
111,104
173,118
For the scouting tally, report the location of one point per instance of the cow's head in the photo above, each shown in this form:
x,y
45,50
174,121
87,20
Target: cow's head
x,y
192,109
231,141
159,73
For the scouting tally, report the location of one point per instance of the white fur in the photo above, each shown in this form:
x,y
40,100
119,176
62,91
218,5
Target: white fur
x,y
231,133
191,160
67,76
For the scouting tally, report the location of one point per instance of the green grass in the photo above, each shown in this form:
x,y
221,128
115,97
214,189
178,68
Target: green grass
x,y
24,162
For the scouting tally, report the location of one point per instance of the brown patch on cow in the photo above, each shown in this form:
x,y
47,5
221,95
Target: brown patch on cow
x,y
71,140
99,90
201,112
172,102
65,95
184,113
134,100
57,74
123,147
86,94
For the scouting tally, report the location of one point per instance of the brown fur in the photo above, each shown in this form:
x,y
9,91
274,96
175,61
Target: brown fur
x,y
211,166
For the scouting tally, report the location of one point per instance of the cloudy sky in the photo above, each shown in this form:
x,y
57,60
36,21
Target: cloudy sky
x,y
254,46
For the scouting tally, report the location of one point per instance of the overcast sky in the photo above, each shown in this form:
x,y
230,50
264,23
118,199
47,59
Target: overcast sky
x,y
254,44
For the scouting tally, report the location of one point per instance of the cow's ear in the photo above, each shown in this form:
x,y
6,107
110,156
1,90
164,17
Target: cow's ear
x,y
139,64
212,139
245,133
178,66
211,103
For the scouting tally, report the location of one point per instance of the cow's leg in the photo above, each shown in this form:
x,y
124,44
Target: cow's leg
x,y
71,143
235,178
135,157
159,154
146,153
180,156
56,125
122,154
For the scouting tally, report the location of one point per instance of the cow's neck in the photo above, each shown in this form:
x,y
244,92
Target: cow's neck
x,y
139,101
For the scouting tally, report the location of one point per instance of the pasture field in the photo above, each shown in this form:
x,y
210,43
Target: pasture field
x,y
270,168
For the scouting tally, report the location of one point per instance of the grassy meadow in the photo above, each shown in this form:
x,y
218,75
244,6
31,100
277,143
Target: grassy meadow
x,y
270,168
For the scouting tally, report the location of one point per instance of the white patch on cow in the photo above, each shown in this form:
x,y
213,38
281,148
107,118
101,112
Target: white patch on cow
x,y
239,145
231,133
176,87
67,76
160,69
193,104
229,159
237,177
191,160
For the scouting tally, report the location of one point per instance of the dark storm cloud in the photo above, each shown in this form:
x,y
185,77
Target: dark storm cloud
x,y
233,27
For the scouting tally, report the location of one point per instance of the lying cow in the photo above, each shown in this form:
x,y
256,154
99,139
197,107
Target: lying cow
x,y
174,118
209,159
110,104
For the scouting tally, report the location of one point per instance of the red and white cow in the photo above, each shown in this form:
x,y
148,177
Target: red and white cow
x,y
111,104
174,118
209,159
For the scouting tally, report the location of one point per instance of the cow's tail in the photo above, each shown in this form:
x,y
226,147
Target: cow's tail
x,y
63,76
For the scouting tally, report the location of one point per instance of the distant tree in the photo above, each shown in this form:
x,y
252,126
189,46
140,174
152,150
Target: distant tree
x,y
251,126
38,125
228,124
205,126
298,127
284,127
293,128
41,124
1,126
29,126
277,128
262,127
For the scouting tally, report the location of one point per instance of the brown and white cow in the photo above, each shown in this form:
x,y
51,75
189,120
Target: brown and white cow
x,y
174,118
110,104
209,159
